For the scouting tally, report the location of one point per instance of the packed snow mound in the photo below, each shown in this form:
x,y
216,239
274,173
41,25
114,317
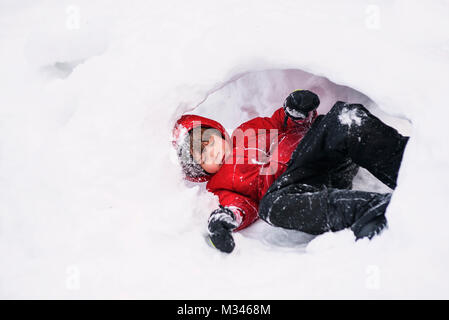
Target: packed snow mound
x,y
92,202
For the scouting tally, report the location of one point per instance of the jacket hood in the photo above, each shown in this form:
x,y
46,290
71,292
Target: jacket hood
x,y
193,172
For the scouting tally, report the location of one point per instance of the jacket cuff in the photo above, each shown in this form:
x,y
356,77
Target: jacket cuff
x,y
238,214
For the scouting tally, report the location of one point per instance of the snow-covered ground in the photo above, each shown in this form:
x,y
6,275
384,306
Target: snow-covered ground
x,y
92,203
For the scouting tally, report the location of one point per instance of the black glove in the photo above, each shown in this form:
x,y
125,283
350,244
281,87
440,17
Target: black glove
x,y
221,223
299,103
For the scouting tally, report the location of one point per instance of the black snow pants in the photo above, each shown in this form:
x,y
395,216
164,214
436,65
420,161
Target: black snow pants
x,y
314,194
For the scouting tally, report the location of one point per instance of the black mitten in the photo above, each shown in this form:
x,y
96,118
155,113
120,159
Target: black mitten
x,y
299,103
221,223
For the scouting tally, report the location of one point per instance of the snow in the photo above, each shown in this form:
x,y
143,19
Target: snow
x,y
349,117
295,113
92,201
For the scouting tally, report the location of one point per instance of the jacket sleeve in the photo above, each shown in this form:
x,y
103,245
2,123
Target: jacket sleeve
x,y
244,209
274,127
277,121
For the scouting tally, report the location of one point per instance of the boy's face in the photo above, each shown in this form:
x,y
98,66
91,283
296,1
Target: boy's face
x,y
212,153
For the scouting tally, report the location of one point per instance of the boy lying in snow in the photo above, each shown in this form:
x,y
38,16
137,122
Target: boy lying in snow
x,y
293,169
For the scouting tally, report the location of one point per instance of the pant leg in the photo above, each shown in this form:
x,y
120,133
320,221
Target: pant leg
x,y
310,210
363,212
342,175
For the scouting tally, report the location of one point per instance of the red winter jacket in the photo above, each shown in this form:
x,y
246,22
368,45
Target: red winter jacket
x,y
262,148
